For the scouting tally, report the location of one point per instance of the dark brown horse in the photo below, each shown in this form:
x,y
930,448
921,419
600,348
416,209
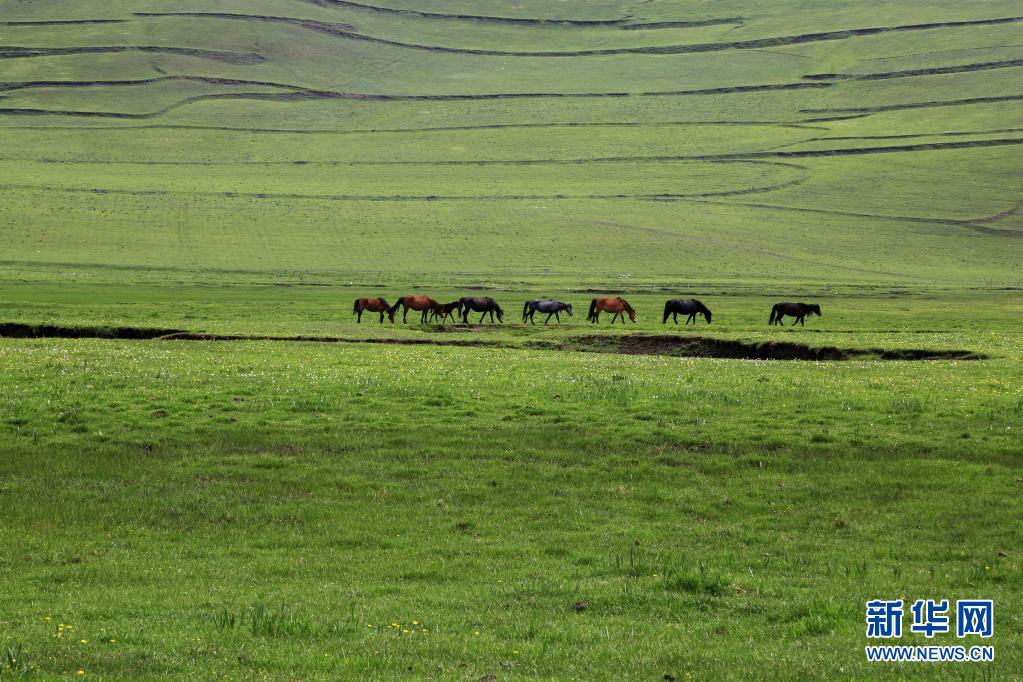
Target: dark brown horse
x,y
446,310
374,305
480,304
423,303
685,306
796,310
618,306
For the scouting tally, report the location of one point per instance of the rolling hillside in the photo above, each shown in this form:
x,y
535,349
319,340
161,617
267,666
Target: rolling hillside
x,y
210,469
516,141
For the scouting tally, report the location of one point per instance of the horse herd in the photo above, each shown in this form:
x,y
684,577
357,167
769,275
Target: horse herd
x,y
432,310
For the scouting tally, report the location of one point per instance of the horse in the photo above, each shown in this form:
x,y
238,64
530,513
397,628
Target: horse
x,y
618,306
796,310
423,303
481,304
549,306
686,306
446,310
374,305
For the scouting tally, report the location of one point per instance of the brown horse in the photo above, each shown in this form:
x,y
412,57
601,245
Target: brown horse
x,y
618,306
374,305
446,310
423,303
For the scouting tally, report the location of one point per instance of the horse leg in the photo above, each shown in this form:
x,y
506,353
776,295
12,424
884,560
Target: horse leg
x,y
381,316
359,318
557,316
404,317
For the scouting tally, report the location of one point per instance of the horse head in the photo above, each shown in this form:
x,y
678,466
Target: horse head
x,y
394,308
814,308
568,309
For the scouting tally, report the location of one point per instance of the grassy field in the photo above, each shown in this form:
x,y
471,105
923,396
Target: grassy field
x,y
490,502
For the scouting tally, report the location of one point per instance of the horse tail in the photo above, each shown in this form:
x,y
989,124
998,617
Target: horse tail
x,y
667,311
593,309
774,311
356,309
394,308
525,310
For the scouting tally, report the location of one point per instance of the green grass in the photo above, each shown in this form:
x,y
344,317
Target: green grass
x,y
253,508
524,510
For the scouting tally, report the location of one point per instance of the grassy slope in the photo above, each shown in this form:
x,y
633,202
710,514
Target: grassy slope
x,y
627,161
730,515
714,521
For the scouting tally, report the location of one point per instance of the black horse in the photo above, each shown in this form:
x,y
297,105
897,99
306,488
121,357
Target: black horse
x,y
549,306
685,306
796,310
481,304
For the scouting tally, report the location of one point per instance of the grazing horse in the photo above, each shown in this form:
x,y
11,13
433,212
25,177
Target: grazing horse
x,y
481,304
549,306
374,305
446,310
618,306
686,306
796,310
423,303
